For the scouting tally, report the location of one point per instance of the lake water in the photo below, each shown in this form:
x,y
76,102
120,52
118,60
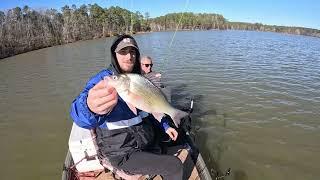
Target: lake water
x,y
257,100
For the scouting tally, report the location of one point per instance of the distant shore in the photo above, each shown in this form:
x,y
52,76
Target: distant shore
x,y
137,33
24,29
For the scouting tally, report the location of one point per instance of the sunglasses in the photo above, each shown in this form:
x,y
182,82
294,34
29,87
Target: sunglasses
x,y
147,65
126,51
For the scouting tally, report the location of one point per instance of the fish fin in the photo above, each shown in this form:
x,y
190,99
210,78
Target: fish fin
x,y
132,108
177,116
158,116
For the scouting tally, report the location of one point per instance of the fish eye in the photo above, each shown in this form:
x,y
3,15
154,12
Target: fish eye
x,y
114,77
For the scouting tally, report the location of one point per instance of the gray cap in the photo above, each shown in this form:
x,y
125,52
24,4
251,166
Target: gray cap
x,y
126,42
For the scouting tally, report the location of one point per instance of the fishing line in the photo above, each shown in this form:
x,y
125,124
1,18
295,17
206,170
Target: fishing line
x,y
174,35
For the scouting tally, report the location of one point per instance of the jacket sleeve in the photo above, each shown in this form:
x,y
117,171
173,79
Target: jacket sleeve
x,y
165,123
80,112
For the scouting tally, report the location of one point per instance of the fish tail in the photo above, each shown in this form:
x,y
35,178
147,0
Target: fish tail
x,y
177,116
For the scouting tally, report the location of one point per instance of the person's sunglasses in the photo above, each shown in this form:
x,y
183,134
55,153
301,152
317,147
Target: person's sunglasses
x,y
147,65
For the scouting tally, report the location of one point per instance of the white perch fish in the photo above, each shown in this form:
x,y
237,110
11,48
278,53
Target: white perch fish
x,y
142,94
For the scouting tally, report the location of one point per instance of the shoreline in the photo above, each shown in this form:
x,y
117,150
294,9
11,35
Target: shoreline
x,y
147,32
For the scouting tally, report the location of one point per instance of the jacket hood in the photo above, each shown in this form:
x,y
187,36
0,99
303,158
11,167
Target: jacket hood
x,y
114,66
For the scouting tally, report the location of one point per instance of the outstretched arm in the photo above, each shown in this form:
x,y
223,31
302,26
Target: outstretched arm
x,y
93,102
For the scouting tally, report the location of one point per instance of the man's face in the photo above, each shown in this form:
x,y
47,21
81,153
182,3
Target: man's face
x,y
126,58
146,65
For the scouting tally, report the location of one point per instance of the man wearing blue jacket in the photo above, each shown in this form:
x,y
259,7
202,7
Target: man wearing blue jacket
x,y
125,139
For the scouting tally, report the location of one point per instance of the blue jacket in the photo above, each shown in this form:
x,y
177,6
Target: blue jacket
x,y
84,118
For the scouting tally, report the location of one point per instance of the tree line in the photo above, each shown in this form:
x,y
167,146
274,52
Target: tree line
x,y
25,29
199,21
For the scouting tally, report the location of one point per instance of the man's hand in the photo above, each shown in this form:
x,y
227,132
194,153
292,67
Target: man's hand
x,y
158,75
173,134
155,78
102,98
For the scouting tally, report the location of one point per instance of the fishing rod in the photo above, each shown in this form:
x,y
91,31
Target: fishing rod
x,y
187,128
